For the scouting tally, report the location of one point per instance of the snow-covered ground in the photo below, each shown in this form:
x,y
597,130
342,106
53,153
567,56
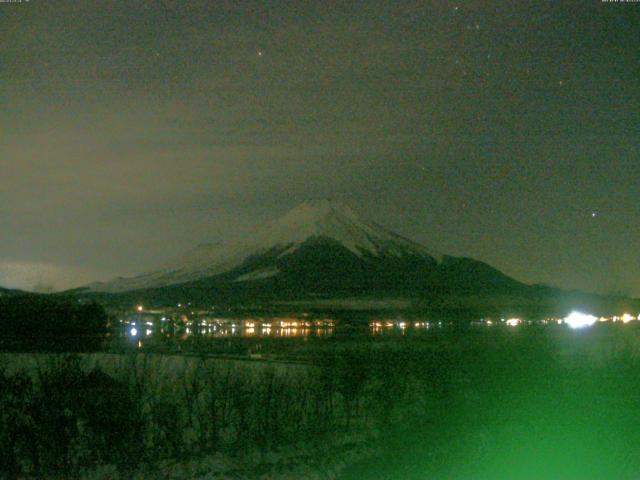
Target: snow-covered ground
x,y
299,462
181,379
163,370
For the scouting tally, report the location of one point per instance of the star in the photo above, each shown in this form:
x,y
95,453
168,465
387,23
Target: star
x,y
594,214
260,53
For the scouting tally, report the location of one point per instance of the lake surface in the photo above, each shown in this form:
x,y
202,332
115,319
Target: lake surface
x,y
140,328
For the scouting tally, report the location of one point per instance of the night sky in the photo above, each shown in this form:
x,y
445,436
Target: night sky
x,y
131,131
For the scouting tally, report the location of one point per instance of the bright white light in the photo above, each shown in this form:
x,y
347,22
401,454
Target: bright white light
x,y
580,320
140,308
626,318
133,331
514,322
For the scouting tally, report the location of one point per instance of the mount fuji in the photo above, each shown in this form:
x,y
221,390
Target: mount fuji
x,y
317,249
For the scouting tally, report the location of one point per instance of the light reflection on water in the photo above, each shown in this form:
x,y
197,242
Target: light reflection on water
x,y
138,326
274,327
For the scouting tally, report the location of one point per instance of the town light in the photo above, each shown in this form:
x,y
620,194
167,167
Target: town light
x,y
626,318
579,320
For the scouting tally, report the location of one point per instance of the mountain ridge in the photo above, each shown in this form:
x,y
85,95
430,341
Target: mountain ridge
x,y
322,254
306,222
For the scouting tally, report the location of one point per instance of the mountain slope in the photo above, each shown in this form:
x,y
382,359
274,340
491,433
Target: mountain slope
x,y
277,239
7,292
317,248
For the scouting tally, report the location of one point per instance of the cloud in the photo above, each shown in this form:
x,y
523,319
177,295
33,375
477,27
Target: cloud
x,y
41,276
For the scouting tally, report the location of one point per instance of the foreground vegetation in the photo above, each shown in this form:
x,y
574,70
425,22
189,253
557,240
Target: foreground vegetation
x,y
31,322
521,403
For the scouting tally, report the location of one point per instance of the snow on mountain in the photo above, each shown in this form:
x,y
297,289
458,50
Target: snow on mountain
x,y
339,223
310,220
258,274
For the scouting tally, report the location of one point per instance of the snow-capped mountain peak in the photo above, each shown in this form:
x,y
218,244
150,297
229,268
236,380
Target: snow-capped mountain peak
x,y
322,219
338,222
